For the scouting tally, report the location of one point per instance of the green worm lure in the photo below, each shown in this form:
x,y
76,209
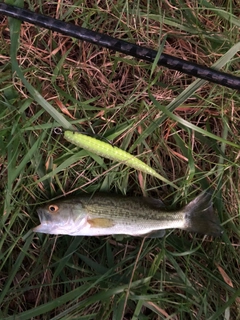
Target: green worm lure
x,y
109,151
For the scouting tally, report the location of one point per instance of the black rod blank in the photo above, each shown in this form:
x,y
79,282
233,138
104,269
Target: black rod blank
x,y
131,49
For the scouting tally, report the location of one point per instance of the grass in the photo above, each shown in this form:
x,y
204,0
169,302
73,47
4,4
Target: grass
x,y
186,129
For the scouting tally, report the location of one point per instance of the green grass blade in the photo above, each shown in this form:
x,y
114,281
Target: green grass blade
x,y
16,267
57,116
186,94
191,126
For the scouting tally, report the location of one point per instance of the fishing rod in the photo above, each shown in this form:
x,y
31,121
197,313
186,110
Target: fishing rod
x,y
103,40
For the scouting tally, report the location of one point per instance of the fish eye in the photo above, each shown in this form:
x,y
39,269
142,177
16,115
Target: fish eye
x,y
53,208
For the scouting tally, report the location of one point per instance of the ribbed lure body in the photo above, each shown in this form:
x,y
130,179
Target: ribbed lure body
x,y
108,151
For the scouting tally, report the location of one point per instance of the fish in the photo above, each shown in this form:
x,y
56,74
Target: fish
x,y
102,215
111,152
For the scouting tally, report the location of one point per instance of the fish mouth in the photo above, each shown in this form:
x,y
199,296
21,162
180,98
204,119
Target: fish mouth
x,y
40,215
42,228
44,217
44,225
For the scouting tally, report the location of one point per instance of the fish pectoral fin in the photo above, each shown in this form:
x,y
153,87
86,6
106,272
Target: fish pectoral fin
x,y
155,234
100,222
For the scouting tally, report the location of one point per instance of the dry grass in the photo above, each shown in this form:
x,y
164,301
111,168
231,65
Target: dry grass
x,y
179,277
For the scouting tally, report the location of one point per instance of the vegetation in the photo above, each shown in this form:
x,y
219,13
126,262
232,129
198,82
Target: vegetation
x,y
184,128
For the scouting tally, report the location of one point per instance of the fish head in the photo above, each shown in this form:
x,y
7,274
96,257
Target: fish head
x,y
60,217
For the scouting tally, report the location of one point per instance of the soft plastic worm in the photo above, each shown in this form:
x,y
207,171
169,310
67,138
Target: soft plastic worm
x,y
131,49
108,151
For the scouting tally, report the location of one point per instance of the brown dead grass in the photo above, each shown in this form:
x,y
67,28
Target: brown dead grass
x,y
92,72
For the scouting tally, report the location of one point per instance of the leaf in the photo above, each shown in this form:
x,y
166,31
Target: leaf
x,y
64,109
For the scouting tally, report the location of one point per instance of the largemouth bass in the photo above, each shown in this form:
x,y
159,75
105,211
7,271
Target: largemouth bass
x,y
101,215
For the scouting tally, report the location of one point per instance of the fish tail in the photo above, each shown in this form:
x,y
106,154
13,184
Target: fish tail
x,y
200,216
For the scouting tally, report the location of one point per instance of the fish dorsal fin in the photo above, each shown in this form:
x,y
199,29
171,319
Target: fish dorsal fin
x,y
154,203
